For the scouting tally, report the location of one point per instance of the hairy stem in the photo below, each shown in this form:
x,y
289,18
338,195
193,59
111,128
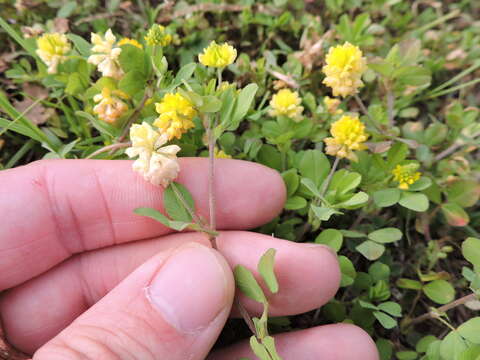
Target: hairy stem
x,y
134,116
329,177
211,178
365,111
444,308
112,147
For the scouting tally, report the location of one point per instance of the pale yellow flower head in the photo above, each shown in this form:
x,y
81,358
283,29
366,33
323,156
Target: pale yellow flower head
x,y
218,55
344,68
109,107
129,41
157,35
406,175
176,115
286,102
348,135
332,105
52,49
106,55
220,154
157,164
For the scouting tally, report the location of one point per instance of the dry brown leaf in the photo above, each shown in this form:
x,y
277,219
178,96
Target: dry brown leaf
x,y
61,25
312,53
38,114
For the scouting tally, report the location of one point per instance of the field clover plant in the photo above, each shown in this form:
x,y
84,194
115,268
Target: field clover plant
x,y
368,109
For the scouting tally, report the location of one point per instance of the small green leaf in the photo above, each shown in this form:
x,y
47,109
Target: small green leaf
x,y
396,154
348,271
471,251
387,321
67,9
385,349
330,237
387,235
133,59
185,73
367,305
295,203
371,250
440,291
244,102
323,213
452,346
387,197
470,330
421,184
310,185
211,104
266,270
391,308
424,343
82,46
465,193
132,83
248,285
157,215
414,201
355,201
292,181
174,205
314,165
409,284
455,215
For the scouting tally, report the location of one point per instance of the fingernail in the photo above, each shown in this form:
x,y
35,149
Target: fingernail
x,y
320,246
190,289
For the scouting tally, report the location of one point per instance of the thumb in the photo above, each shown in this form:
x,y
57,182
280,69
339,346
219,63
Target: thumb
x,y
171,307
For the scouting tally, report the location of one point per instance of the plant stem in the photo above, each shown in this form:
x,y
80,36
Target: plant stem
x,y
219,77
329,177
452,148
246,317
390,107
365,111
109,148
444,308
190,211
211,177
134,116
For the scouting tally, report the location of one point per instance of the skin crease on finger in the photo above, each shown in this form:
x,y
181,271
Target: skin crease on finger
x,y
308,277
57,208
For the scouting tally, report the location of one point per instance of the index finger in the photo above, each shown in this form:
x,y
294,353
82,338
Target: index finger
x,y
53,209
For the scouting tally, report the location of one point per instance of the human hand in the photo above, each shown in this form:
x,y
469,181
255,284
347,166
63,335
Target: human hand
x,y
86,278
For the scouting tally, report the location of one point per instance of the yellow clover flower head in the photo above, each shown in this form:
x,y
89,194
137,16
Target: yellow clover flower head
x,y
157,35
157,164
106,55
406,175
220,154
332,105
218,55
348,135
344,68
176,115
52,48
129,41
109,107
286,102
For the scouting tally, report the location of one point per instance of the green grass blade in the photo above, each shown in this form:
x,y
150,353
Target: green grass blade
x,y
30,48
